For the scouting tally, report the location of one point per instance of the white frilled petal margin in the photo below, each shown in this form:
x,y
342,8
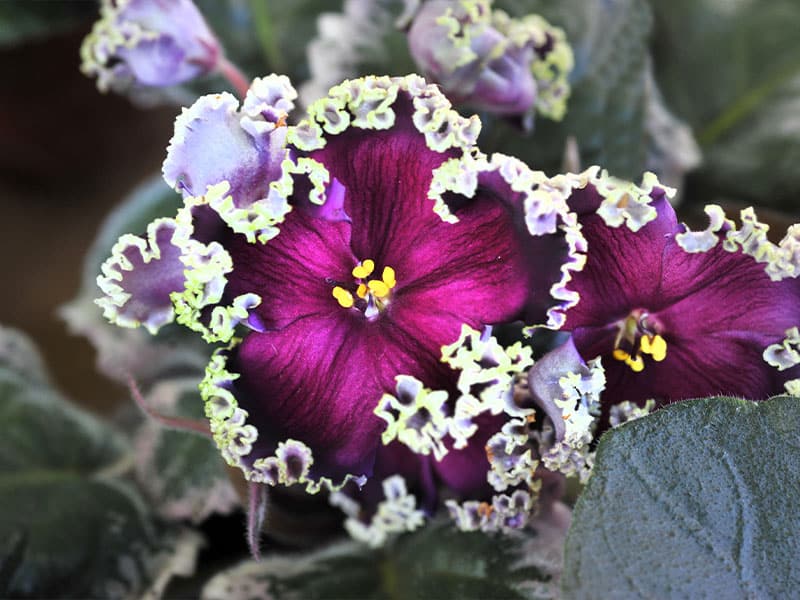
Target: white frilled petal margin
x,y
291,462
215,140
167,275
138,279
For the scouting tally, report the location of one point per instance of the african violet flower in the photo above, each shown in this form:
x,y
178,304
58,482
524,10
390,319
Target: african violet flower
x,y
351,263
486,59
672,314
150,43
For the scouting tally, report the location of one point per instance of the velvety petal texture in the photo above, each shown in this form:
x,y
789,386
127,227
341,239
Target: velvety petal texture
x,y
670,323
318,368
148,43
351,266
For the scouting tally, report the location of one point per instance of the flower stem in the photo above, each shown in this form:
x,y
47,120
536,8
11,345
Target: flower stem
x,y
180,423
234,75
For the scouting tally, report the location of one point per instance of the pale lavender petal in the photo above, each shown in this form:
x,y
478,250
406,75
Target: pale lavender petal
x,y
140,276
247,158
149,43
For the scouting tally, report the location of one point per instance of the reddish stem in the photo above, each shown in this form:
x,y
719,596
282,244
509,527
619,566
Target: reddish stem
x,y
234,75
180,423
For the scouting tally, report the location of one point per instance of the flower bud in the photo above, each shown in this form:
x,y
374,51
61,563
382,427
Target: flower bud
x,y
148,43
486,59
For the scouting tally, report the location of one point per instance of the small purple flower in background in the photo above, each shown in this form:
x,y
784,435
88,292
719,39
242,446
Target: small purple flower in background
x,y
353,264
486,59
149,43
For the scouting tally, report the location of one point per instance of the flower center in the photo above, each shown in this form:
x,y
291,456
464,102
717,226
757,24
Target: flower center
x,y
368,295
639,334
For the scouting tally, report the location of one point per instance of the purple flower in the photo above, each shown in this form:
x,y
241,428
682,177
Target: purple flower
x,y
675,314
350,262
148,43
490,61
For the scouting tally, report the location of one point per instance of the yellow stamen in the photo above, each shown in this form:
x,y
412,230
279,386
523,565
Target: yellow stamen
x,y
655,346
620,354
389,277
636,364
361,291
378,288
343,297
364,269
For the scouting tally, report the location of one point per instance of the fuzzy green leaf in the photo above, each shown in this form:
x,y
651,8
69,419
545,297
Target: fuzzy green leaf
x,y
182,473
436,562
68,528
695,500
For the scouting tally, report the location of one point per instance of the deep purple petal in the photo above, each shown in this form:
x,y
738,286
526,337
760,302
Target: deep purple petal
x,y
386,176
722,365
723,311
397,459
464,471
470,271
319,379
717,311
467,272
623,269
294,272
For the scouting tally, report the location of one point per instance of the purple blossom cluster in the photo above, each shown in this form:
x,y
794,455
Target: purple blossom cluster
x,y
352,261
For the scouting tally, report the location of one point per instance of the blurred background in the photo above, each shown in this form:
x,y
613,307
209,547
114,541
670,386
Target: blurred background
x,y
68,155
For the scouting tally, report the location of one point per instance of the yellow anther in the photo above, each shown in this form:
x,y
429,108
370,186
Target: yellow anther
x,y
364,269
343,297
378,288
636,364
655,346
389,277
620,354
361,291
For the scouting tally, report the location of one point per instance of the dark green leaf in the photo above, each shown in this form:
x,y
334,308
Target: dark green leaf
x,y
436,562
18,354
68,528
606,111
732,70
39,430
698,500
183,474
